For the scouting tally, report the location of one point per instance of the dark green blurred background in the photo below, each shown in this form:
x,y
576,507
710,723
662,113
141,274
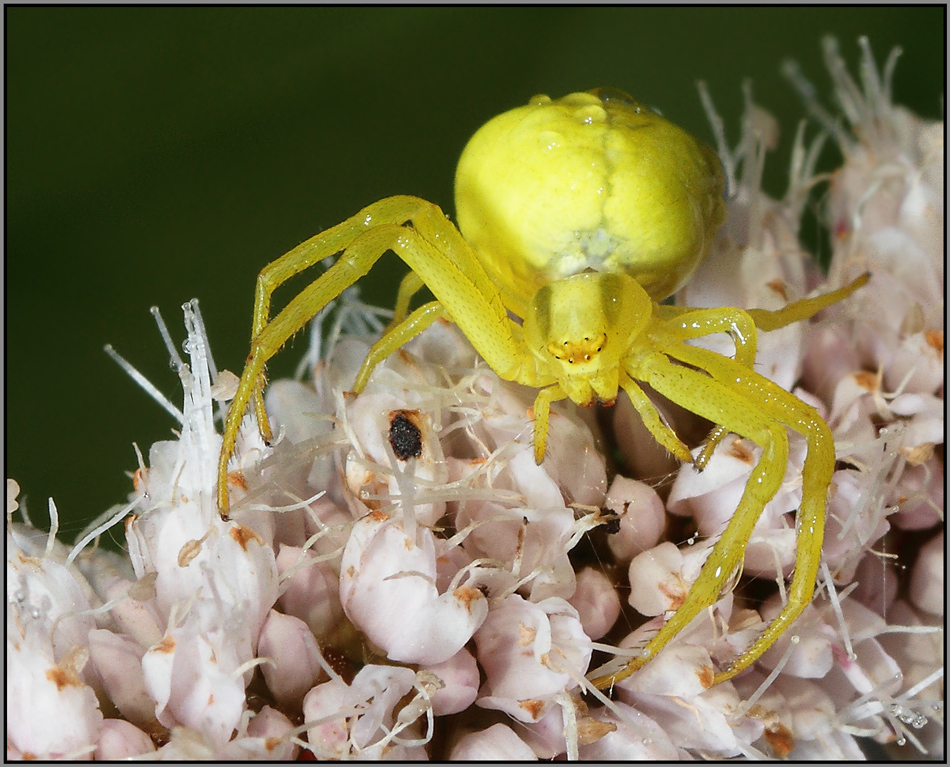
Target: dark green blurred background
x,y
159,154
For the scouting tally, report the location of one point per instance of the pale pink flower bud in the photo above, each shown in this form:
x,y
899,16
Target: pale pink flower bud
x,y
271,727
48,592
596,602
360,719
698,724
529,653
658,581
135,614
573,461
329,738
121,740
460,680
296,667
287,400
812,709
877,581
387,588
637,737
681,670
119,661
311,592
497,743
535,537
829,356
928,579
920,495
190,675
51,713
642,517
813,655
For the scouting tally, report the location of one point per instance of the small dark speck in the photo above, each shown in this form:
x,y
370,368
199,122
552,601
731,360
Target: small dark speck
x,y
404,435
612,525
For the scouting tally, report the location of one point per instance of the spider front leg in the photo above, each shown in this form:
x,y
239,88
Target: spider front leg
x,y
683,323
431,247
817,472
714,400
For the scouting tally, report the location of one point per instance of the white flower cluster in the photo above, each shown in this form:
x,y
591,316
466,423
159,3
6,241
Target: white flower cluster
x,y
400,580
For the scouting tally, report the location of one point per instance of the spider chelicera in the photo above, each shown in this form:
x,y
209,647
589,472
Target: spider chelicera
x,y
578,216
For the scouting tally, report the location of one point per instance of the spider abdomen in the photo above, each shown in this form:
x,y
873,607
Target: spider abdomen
x,y
587,183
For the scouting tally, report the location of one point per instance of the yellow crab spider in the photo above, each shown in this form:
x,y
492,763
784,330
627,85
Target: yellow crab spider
x,y
578,215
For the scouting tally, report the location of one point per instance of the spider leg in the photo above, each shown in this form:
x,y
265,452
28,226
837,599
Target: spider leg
x,y
654,422
716,401
542,409
397,336
807,307
431,247
695,323
393,210
410,285
817,472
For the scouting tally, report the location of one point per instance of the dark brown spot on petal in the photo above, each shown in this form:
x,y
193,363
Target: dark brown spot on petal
x,y
676,595
611,524
533,707
236,479
243,535
526,634
591,730
466,595
919,454
167,644
139,479
866,380
780,739
63,677
779,287
739,450
934,340
405,434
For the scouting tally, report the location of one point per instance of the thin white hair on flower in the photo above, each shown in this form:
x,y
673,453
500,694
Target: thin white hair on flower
x,y
802,175
868,107
144,383
351,317
108,519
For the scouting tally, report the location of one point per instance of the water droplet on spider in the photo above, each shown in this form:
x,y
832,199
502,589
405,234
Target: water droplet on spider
x,y
919,721
186,346
19,595
647,741
902,741
35,613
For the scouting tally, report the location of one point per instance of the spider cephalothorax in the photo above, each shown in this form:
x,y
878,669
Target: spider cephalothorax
x,y
578,216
